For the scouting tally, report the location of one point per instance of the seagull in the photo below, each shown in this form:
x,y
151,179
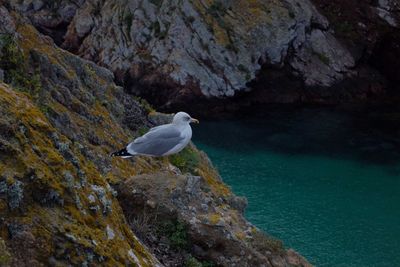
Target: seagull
x,y
163,140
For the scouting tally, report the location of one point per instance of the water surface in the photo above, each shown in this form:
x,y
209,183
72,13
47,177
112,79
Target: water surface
x,y
326,182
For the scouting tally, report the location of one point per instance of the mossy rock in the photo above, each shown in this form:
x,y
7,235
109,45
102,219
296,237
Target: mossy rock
x,y
5,256
187,160
16,70
176,232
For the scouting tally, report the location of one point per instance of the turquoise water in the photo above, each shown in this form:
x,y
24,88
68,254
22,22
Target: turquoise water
x,y
326,183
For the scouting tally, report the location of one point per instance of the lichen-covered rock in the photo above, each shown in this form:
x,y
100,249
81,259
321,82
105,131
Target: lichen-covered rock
x,y
210,48
198,219
15,194
51,108
5,255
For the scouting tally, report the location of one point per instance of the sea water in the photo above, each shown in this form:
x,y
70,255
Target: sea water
x,y
325,182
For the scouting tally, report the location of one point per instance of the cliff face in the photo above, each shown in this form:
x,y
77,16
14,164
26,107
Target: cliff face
x,y
56,203
64,201
184,54
370,29
174,51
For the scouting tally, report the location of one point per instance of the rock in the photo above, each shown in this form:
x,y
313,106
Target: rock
x,y
8,23
193,184
110,233
71,237
15,194
158,118
102,196
15,229
385,11
239,203
295,259
204,207
91,199
49,166
152,204
84,24
322,60
209,220
69,179
37,5
3,186
52,198
177,50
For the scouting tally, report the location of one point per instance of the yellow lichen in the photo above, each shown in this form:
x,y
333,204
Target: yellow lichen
x,y
240,235
49,165
214,218
212,179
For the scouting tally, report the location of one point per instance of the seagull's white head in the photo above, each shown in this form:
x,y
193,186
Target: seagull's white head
x,y
183,118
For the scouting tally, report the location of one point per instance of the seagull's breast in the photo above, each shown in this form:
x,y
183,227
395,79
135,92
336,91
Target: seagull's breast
x,y
186,134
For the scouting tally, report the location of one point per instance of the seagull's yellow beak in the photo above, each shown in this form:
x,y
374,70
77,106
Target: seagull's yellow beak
x,y
194,120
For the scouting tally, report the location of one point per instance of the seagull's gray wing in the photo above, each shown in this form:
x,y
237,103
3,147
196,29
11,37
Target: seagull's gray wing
x,y
158,141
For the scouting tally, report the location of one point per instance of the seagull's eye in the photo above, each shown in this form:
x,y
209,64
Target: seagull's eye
x,y
188,118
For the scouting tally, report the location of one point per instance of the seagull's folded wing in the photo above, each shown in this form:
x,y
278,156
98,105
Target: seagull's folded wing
x,y
157,141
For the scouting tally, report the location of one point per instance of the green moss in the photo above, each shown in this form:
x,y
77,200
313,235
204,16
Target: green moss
x,y
11,55
263,242
144,53
344,27
190,19
162,35
187,160
5,256
16,70
216,9
155,26
176,232
146,105
142,130
231,47
157,3
193,262
323,58
128,18
97,8
90,71
244,69
211,177
207,264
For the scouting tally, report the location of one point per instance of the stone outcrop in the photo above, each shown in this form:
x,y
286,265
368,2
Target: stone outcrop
x,y
173,50
213,219
64,201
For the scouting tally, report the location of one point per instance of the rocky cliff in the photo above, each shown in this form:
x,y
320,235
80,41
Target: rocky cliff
x,y
182,53
64,201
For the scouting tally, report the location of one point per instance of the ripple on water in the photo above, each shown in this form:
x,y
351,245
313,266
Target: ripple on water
x,y
325,183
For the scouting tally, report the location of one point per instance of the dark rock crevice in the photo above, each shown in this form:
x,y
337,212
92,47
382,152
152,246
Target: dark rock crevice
x,y
385,57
